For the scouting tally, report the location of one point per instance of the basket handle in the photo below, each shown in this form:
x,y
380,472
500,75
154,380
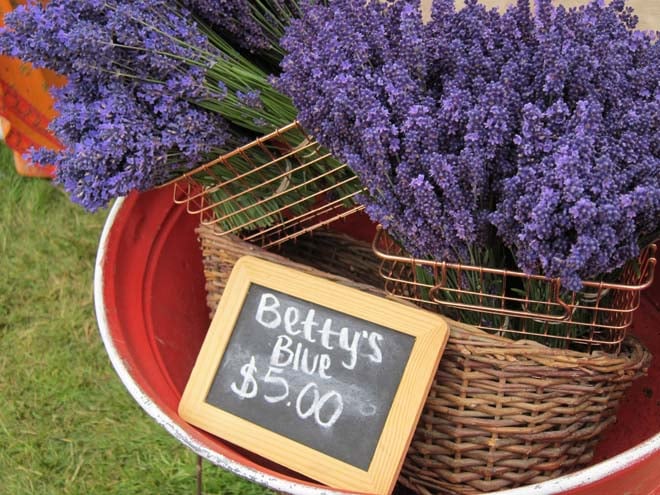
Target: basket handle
x,y
567,311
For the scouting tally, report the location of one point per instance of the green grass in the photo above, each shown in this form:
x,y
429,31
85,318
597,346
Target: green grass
x,y
67,425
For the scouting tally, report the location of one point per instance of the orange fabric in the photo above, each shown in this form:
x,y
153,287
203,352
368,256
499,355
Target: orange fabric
x,y
26,106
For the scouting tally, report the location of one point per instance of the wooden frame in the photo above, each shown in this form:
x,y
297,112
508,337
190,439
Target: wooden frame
x,y
430,334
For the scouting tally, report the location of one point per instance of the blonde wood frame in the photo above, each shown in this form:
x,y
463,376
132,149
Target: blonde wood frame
x,y
429,330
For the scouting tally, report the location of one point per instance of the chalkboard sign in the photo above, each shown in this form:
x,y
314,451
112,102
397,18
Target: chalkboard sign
x,y
319,377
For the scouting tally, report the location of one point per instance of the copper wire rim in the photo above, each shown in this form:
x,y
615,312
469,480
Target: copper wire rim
x,y
596,318
257,198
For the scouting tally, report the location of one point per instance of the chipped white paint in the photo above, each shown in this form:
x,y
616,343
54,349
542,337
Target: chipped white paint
x,y
553,487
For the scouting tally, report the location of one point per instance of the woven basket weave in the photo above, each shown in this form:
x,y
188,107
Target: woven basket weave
x,y
500,413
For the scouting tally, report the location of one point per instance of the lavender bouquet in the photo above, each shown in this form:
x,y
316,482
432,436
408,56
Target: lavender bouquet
x,y
127,117
155,88
524,140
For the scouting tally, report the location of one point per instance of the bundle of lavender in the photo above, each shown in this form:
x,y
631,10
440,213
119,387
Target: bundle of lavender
x,y
156,88
533,134
522,140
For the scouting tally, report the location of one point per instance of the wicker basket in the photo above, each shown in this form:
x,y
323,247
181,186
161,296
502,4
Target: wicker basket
x,y
501,413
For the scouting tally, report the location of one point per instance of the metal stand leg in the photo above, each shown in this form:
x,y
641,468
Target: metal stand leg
x,y
199,475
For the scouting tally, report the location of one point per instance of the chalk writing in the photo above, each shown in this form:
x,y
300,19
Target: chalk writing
x,y
312,373
272,315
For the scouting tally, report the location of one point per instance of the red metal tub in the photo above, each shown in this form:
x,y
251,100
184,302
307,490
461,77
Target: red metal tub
x,y
152,316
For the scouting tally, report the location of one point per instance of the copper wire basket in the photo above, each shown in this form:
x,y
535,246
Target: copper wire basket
x,y
516,305
270,190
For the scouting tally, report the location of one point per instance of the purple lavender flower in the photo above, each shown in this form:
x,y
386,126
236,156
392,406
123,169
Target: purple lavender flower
x,y
587,184
421,113
233,17
128,116
253,25
116,142
144,39
541,129
250,98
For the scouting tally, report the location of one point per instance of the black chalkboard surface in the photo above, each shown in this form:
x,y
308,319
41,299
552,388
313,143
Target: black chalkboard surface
x,y
315,375
319,377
